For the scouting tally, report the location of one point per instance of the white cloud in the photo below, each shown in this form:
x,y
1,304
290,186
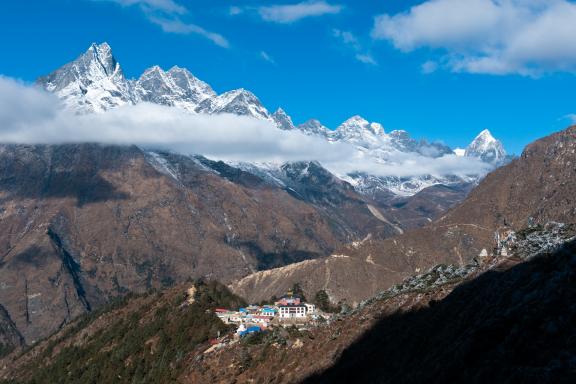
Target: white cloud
x,y
234,10
266,57
429,67
401,164
167,6
290,13
571,117
366,58
179,27
30,115
527,37
166,14
349,40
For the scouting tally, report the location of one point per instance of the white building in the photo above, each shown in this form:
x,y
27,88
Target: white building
x,y
292,311
310,308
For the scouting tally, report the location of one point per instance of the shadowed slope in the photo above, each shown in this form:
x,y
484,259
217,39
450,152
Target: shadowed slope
x,y
509,326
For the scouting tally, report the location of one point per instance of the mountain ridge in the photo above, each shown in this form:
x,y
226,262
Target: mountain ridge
x,y
94,82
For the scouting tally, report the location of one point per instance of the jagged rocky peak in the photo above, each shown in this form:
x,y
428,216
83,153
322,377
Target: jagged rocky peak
x,y
103,53
402,141
184,79
93,82
314,127
359,131
486,148
239,102
153,86
282,120
96,63
358,124
175,87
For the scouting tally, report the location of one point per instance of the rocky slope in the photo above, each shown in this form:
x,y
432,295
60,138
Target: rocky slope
x,y
81,224
505,319
513,324
535,188
139,339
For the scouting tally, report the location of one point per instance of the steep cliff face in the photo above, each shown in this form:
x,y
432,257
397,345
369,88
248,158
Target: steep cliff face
x,y
10,337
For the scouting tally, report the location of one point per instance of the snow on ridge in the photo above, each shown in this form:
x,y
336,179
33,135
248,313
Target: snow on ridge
x,y
486,148
94,82
162,165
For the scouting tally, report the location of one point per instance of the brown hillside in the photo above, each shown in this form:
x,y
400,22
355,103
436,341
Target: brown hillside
x,y
537,188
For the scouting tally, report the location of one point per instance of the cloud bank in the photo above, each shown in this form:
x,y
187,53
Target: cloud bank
x,y
526,37
32,116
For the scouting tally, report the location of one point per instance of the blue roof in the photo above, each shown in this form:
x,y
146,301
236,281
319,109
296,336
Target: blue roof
x,y
250,330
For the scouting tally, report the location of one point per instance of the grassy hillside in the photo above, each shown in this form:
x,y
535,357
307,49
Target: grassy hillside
x,y
138,340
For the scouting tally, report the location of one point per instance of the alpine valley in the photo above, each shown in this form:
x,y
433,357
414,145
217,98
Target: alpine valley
x,y
84,223
114,259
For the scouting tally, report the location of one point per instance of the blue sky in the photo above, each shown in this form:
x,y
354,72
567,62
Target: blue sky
x,y
400,63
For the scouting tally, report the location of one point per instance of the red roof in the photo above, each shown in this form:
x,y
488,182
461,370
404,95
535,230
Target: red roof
x,y
221,310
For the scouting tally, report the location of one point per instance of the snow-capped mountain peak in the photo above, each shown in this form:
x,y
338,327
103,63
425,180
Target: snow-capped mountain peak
x,y
361,132
194,87
359,124
176,87
238,102
486,148
282,120
485,137
103,54
93,82
314,127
